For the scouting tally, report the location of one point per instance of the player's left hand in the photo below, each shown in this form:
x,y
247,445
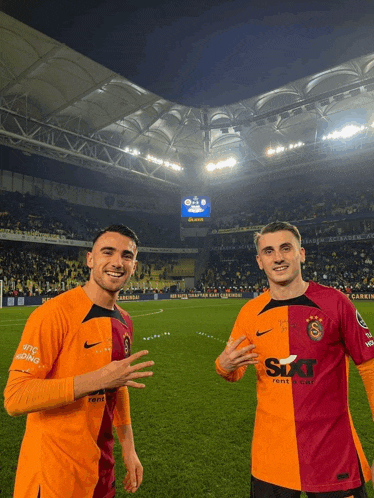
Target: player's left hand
x,y
134,475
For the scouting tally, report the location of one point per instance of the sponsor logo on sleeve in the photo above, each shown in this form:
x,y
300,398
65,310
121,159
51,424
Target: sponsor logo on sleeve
x,y
370,342
368,335
360,320
29,354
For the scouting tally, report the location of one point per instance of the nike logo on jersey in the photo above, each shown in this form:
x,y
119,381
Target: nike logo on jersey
x,y
88,346
258,333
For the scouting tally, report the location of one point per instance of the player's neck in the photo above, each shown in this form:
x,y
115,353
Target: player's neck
x,y
99,296
294,289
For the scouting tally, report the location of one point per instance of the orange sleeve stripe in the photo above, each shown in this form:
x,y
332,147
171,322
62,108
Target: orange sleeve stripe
x,y
366,371
122,410
25,394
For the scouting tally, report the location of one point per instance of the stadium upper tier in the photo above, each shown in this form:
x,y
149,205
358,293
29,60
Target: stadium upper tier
x,y
324,211
60,104
27,213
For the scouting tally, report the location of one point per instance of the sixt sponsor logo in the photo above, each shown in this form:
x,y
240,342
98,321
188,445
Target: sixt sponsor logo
x,y
288,368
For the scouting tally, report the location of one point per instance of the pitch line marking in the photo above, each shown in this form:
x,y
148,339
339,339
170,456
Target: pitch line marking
x,y
147,314
189,307
12,322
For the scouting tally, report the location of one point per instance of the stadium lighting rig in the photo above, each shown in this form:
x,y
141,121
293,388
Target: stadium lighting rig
x,y
271,151
154,159
348,131
167,164
226,163
133,152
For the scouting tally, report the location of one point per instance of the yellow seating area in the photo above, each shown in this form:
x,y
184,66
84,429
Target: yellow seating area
x,y
184,268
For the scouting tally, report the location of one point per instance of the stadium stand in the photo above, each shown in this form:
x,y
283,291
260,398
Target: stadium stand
x,y
41,269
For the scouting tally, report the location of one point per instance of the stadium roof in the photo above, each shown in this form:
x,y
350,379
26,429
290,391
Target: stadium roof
x,y
60,104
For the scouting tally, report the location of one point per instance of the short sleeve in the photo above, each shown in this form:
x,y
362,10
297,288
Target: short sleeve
x,y
357,337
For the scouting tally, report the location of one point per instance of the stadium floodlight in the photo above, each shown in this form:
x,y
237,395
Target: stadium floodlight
x,y
348,131
226,163
161,162
271,151
154,159
133,152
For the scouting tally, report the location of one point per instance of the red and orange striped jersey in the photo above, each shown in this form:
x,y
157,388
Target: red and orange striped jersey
x,y
304,438
68,451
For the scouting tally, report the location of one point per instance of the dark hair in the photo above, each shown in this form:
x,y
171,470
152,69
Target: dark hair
x,y
277,226
122,229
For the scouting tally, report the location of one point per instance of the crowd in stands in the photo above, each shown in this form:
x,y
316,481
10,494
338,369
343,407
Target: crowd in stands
x,y
321,212
325,202
33,215
317,210
311,230
29,270
39,271
348,267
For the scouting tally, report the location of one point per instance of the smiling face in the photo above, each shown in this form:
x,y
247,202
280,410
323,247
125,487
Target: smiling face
x,y
280,256
112,262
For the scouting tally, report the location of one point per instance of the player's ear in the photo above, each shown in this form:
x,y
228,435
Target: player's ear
x,y
258,259
89,260
302,254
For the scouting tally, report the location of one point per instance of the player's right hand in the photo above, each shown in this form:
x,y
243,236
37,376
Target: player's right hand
x,y
121,373
231,358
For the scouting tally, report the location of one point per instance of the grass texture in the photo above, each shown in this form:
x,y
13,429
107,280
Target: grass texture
x,y
192,429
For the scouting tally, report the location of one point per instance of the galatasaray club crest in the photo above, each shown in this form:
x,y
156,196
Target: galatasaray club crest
x,y
315,328
127,346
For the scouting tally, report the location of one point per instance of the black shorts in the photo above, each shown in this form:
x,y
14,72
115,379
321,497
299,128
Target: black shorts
x,y
262,489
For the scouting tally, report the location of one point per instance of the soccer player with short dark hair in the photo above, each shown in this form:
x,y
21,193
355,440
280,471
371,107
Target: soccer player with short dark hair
x,y
70,375
300,335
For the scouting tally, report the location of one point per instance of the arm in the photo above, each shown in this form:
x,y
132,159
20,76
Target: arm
x,y
25,394
366,371
115,374
122,423
232,363
30,388
234,359
134,475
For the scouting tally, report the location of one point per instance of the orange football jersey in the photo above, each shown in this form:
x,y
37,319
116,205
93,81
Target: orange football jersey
x,y
67,451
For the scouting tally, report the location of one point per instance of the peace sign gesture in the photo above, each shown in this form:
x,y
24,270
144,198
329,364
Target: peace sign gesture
x,y
231,358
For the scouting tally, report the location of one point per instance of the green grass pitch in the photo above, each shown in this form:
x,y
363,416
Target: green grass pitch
x,y
192,429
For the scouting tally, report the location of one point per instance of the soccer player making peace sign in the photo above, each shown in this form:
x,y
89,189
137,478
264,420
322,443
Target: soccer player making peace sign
x,y
70,375
299,335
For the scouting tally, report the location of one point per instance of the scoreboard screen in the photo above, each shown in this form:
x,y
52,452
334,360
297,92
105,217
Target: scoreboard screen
x,y
195,206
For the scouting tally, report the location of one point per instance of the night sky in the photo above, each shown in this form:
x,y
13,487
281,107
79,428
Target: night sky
x,y
201,52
